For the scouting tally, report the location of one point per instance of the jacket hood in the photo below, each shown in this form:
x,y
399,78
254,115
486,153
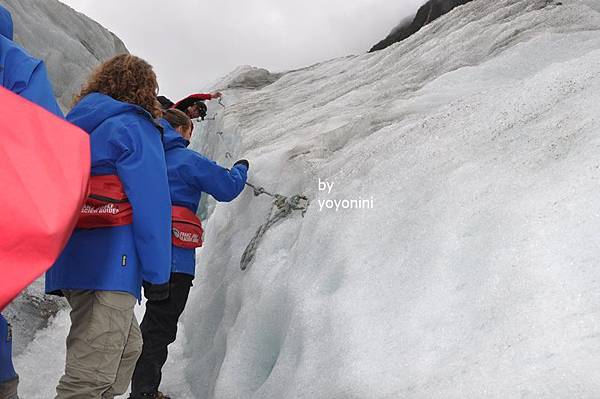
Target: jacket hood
x,y
95,108
172,139
6,23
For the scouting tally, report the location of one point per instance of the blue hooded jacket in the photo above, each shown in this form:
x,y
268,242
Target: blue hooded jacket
x,y
21,73
7,371
191,174
124,141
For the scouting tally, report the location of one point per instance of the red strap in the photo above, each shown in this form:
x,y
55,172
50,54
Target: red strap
x,y
187,228
109,186
106,205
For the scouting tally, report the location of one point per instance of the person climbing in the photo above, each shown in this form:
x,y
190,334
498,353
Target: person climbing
x,y
193,105
190,174
27,109
123,236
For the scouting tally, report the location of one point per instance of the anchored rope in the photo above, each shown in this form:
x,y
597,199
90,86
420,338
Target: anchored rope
x,y
282,207
259,190
227,153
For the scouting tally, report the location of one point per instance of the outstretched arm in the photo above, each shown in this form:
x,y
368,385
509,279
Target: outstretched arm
x,y
223,184
191,99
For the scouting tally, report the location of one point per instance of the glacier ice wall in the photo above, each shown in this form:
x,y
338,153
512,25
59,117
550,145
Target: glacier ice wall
x,y
475,273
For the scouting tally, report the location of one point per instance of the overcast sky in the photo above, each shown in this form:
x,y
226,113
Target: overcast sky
x,y
192,43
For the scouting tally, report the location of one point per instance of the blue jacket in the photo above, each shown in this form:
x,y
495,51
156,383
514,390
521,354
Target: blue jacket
x,y
7,371
21,73
125,142
190,174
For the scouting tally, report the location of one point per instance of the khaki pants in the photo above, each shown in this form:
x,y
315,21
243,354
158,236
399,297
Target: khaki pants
x,y
8,389
102,347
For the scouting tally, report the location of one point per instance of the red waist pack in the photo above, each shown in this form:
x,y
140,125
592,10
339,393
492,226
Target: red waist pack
x,y
187,228
106,205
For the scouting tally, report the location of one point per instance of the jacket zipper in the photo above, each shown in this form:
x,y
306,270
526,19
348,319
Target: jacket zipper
x,y
107,199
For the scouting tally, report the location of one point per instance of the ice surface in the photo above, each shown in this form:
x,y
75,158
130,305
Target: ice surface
x,y
474,275
43,362
30,312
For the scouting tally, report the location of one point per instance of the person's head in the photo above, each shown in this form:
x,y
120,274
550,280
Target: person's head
x,y
180,122
196,110
125,78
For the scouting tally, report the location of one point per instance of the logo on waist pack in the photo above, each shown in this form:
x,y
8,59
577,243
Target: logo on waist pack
x,y
108,208
185,236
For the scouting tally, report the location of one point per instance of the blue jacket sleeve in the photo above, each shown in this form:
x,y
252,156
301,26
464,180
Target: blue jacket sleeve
x,y
224,185
39,90
142,170
7,371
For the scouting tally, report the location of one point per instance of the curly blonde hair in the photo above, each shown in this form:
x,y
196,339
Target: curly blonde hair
x,y
125,78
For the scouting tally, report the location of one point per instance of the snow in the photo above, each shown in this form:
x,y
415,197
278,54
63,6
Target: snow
x,y
43,362
30,312
475,273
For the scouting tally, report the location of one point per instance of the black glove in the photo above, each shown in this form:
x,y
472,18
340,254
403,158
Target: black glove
x,y
242,162
156,292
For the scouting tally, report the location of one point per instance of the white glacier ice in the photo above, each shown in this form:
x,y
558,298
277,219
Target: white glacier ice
x,y
474,275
